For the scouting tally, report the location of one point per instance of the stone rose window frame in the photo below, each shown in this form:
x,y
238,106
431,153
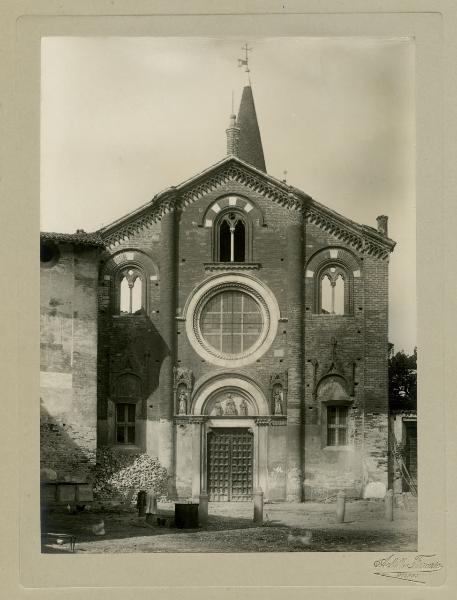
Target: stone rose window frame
x,y
249,285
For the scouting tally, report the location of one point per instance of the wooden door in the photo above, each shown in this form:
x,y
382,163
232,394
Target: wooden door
x,y
230,457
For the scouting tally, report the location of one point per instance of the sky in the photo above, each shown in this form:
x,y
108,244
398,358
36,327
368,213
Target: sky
x,y
124,118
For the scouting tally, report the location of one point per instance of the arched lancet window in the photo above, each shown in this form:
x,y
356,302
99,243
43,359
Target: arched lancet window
x,y
130,291
232,238
338,295
333,291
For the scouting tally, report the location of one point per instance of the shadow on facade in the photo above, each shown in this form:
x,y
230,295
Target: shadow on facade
x,y
62,458
59,450
131,352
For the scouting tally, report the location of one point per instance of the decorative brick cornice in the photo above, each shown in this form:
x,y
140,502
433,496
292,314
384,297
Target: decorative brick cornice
x,y
332,225
278,420
121,230
273,420
265,185
360,237
190,419
225,266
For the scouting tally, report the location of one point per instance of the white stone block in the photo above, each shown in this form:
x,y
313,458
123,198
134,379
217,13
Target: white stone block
x,y
375,489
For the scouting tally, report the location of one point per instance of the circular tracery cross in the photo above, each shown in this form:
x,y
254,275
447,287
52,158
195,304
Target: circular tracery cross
x,y
232,221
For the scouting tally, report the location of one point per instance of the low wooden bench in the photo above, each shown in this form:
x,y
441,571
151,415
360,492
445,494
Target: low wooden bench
x,y
61,493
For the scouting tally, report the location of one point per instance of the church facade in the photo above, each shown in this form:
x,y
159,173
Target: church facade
x,y
233,327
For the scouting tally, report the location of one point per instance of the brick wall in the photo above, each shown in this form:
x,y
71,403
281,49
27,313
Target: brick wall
x,y
68,307
362,352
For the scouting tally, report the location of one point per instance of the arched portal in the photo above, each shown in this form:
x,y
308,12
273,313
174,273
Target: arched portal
x,y
229,441
219,387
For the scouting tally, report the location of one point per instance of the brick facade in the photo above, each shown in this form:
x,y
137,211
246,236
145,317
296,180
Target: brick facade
x,y
308,347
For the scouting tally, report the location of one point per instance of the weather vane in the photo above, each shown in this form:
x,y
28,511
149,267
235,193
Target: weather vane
x,y
244,62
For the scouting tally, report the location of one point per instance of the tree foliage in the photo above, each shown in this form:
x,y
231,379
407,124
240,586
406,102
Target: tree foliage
x,y
403,379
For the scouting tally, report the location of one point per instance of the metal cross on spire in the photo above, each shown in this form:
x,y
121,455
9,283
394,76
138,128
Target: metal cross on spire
x,y
244,62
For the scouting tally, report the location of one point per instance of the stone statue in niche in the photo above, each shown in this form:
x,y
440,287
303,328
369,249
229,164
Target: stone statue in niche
x,y
278,393
230,406
243,407
218,410
182,389
182,405
277,397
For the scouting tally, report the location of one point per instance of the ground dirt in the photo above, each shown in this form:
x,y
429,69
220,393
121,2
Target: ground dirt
x,y
308,527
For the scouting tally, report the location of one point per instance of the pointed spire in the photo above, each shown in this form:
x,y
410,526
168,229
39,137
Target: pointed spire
x,y
250,143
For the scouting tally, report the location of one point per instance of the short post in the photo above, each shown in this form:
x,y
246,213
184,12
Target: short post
x,y
151,503
340,506
389,505
141,503
203,509
258,506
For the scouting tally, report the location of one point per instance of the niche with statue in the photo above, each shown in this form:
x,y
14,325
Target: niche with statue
x,y
182,390
278,393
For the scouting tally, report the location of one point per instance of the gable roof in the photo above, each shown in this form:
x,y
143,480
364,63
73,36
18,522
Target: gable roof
x,y
80,238
232,168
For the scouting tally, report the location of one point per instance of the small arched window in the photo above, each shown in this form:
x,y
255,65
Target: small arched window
x,y
130,291
333,297
231,238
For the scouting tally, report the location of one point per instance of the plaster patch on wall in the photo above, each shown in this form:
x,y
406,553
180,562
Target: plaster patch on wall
x,y
49,379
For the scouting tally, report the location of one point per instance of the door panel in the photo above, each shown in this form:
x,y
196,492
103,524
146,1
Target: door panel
x,y
230,457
